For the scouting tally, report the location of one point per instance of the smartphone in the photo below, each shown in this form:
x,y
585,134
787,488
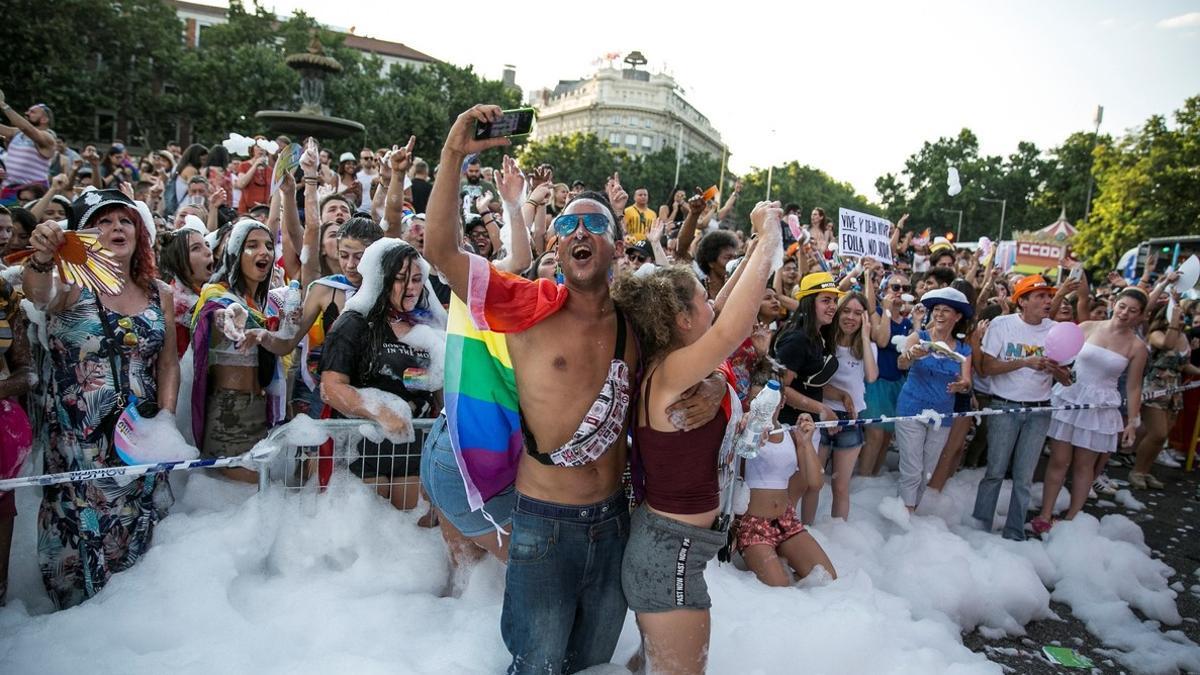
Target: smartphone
x,y
1076,273
511,123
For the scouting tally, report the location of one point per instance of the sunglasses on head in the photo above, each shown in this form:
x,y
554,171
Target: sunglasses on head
x,y
596,223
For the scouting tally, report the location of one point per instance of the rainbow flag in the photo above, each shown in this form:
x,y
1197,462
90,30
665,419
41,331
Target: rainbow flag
x,y
482,411
214,297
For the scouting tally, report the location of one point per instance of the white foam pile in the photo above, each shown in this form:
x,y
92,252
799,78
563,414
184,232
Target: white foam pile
x,y
341,582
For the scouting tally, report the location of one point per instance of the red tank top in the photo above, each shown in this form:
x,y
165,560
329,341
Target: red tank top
x,y
680,466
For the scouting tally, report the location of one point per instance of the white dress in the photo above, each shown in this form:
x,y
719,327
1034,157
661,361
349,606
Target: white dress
x,y
1097,371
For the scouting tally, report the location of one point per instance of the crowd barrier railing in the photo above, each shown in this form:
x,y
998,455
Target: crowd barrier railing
x,y
379,466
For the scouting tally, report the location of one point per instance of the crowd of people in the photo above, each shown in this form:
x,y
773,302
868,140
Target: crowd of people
x,y
586,361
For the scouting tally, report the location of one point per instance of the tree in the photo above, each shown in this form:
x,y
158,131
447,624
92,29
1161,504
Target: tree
x,y
794,183
81,56
1148,186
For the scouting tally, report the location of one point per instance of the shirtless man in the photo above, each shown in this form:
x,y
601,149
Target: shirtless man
x,y
563,604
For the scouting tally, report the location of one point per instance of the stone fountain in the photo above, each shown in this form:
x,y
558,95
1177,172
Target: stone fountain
x,y
312,119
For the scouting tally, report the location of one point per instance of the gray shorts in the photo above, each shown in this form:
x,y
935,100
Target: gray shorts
x,y
663,567
234,422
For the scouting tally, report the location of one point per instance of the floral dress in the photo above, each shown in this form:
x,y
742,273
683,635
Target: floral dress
x,y
91,530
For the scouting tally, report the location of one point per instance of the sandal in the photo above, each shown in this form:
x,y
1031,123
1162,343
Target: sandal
x,y
1152,482
1137,481
1040,525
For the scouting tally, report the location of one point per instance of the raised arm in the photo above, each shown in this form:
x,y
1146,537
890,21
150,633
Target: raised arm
x,y
534,212
42,139
729,203
442,225
687,233
58,185
293,233
398,160
511,184
310,248
687,366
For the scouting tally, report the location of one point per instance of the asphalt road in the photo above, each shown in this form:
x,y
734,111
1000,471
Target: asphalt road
x,y
1163,523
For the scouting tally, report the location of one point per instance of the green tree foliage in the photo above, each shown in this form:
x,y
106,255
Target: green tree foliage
x,y
1148,185
921,188
794,183
79,56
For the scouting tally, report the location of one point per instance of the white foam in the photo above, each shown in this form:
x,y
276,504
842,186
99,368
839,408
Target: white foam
x,y
306,582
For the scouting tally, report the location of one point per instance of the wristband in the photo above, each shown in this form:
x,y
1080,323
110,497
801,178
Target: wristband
x,y
38,266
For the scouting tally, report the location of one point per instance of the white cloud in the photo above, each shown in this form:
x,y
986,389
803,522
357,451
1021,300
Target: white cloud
x,y
1189,20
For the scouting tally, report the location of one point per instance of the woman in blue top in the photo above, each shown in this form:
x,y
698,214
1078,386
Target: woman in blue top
x,y
933,380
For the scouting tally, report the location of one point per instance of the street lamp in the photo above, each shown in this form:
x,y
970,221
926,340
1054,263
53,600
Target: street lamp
x,y
1003,203
958,233
678,152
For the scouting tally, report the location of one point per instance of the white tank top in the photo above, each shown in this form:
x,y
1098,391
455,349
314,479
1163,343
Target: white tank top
x,y
774,465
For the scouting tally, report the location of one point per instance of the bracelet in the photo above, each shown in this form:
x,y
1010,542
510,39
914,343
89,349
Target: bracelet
x,y
536,205
40,267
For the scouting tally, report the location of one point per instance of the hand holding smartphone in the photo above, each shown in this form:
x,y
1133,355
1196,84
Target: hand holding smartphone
x,y
511,123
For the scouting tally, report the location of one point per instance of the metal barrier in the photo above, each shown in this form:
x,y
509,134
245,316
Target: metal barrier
x,y
392,469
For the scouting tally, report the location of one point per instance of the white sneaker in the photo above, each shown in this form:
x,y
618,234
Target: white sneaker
x,y
1164,458
1092,494
1105,486
1178,456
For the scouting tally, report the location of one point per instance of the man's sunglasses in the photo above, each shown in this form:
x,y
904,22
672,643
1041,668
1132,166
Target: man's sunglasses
x,y
596,223
900,288
636,257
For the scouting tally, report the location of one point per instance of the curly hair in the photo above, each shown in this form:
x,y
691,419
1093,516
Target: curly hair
x,y
709,248
652,302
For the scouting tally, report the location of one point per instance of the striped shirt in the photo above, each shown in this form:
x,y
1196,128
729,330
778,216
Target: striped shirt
x,y
24,163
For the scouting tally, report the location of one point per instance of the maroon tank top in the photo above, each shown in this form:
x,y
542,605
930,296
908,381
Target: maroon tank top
x,y
680,466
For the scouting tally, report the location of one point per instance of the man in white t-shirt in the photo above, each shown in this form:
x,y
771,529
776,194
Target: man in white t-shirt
x,y
1019,376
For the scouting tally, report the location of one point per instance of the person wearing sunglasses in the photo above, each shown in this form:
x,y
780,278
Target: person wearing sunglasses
x,y
882,394
563,604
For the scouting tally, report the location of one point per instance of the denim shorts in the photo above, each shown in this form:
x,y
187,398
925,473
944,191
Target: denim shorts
x,y
847,438
444,485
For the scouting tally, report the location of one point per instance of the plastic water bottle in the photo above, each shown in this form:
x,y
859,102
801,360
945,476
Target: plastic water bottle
x,y
290,309
762,410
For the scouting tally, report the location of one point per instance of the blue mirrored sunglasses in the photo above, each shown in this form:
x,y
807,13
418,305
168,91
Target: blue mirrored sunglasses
x,y
596,223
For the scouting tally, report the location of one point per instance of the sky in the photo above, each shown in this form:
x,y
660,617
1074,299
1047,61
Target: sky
x,y
852,88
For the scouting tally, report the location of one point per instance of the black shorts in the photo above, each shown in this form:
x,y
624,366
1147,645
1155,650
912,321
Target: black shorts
x,y
387,460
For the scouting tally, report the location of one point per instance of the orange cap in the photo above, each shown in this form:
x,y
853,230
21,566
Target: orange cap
x,y
1029,284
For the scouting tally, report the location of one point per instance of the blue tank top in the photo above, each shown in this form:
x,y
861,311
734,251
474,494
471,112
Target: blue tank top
x,y
925,388
888,370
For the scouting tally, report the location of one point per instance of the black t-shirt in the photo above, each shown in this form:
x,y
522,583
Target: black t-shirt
x,y
348,350
420,194
807,359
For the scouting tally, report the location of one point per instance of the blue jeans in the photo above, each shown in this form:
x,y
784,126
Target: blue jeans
x,y
563,604
1017,438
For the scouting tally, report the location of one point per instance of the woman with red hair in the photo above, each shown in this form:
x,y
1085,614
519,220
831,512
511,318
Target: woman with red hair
x,y
106,352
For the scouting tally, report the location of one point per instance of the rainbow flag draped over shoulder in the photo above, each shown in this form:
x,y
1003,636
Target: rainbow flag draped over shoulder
x,y
214,297
482,411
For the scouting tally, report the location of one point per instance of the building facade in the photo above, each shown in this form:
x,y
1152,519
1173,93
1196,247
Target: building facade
x,y
629,108
197,17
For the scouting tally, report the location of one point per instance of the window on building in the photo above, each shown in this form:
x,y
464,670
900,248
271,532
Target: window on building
x,y
634,121
615,120
647,142
649,123
614,138
631,139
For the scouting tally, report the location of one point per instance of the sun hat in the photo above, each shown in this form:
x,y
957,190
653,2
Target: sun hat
x,y
1029,284
818,282
952,298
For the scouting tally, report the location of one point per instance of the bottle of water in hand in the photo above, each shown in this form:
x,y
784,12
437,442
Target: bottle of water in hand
x,y
290,310
762,410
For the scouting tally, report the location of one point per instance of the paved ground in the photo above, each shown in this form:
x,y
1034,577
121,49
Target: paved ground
x,y
1169,510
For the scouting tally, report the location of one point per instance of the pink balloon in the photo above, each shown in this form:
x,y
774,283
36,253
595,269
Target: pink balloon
x,y
16,438
1063,342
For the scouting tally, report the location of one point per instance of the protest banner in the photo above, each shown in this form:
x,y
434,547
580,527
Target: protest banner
x,y
1033,257
863,235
